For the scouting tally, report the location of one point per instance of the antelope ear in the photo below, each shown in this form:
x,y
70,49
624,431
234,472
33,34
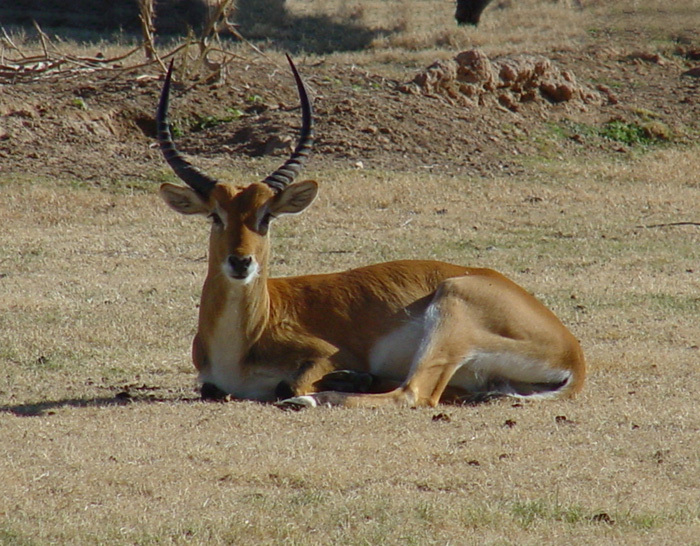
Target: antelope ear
x,y
182,199
294,198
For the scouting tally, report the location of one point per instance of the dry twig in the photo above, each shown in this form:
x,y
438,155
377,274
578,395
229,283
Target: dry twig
x,y
199,65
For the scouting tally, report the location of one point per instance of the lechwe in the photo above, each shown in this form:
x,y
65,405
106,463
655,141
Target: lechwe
x,y
411,333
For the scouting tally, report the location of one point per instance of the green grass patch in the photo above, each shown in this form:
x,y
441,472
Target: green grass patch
x,y
9,536
655,303
207,122
531,512
528,513
79,103
630,134
649,131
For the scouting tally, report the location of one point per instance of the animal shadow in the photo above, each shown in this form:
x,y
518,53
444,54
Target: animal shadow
x,y
270,21
122,398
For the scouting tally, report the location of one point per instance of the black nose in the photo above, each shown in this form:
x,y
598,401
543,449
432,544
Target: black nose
x,y
240,265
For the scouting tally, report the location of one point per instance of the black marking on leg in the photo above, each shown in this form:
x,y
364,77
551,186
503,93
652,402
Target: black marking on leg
x,y
330,398
346,381
477,398
529,389
283,391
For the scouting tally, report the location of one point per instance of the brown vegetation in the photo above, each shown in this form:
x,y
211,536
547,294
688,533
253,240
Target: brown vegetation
x,y
103,438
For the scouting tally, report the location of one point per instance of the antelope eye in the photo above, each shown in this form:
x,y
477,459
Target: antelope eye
x,y
215,219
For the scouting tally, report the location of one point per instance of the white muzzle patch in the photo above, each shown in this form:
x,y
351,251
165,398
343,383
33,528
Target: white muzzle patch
x,y
244,274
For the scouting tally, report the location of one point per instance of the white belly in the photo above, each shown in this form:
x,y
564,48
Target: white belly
x,y
392,356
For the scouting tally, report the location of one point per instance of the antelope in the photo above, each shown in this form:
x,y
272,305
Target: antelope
x,y
403,333
468,12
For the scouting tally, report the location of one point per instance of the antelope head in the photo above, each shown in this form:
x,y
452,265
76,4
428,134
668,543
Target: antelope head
x,y
240,216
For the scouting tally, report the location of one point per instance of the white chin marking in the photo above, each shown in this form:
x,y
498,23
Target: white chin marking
x,y
252,274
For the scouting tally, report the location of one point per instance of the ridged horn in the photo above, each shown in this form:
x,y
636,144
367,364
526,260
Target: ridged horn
x,y
190,175
286,173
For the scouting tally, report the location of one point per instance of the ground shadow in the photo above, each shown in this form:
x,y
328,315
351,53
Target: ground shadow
x,y
171,16
270,22
48,407
260,21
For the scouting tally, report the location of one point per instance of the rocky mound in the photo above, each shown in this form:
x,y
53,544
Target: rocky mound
x,y
472,79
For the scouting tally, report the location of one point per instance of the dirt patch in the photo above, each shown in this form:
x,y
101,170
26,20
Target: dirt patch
x,y
469,115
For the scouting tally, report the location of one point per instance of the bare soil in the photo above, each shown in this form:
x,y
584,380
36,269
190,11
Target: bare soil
x,y
91,124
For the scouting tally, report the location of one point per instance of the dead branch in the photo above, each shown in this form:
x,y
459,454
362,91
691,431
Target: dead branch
x,y
197,49
8,40
146,14
670,224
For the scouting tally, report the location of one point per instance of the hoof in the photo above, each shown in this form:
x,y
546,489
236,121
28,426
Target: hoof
x,y
297,403
211,392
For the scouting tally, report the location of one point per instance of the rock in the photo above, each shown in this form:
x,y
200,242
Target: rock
x,y
472,79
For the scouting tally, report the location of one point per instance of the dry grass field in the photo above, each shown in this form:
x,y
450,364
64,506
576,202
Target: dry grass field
x,y
103,439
